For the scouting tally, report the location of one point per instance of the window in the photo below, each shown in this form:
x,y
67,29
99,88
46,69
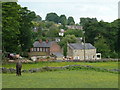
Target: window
x,y
76,57
43,49
34,49
38,49
46,49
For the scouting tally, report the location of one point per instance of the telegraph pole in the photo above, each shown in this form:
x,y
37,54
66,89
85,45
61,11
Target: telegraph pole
x,y
84,45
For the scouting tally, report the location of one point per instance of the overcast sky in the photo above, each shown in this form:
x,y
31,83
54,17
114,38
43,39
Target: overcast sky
x,y
106,10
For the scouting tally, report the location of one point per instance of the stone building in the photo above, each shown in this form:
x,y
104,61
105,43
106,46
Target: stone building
x,y
77,51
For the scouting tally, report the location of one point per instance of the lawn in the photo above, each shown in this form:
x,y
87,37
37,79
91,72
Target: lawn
x,y
62,79
107,65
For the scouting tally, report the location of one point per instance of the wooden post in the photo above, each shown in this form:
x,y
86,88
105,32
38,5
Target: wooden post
x,y
84,45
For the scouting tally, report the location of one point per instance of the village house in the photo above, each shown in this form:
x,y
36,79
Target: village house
x,y
61,33
74,27
78,52
45,49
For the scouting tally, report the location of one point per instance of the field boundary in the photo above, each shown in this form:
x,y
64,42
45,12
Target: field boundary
x,y
67,67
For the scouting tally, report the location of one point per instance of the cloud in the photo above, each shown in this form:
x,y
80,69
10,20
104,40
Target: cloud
x,y
101,9
98,1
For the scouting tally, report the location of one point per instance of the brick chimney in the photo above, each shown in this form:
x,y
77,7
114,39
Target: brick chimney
x,y
47,41
40,41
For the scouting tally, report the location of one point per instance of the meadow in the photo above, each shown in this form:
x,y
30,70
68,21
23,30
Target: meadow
x,y
62,79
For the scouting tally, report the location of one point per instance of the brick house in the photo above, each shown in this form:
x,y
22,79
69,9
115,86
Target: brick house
x,y
76,51
44,48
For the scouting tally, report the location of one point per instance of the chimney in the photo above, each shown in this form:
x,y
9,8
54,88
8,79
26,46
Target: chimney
x,y
47,41
40,41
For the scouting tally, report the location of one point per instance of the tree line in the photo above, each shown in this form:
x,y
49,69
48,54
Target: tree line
x,y
103,35
18,34
16,27
60,19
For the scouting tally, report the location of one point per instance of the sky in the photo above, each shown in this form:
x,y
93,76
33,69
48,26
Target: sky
x,y
106,10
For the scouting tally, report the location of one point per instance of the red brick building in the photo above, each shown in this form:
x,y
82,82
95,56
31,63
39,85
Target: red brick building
x,y
44,48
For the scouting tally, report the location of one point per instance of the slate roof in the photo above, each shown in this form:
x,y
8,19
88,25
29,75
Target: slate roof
x,y
58,54
42,44
79,46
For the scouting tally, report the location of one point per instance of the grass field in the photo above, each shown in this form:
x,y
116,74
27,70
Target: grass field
x,y
107,65
62,79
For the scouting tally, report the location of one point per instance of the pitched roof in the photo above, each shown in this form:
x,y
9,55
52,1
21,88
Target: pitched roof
x,y
81,46
58,54
42,44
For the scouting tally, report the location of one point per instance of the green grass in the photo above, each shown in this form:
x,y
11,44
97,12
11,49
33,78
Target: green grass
x,y
107,65
0,81
61,79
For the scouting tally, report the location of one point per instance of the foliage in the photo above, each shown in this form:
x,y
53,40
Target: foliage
x,y
17,26
53,31
63,20
65,40
94,30
70,21
102,47
52,17
37,19
26,28
68,39
10,26
84,21
77,33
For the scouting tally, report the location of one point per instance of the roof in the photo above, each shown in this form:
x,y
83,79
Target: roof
x,y
42,44
81,46
58,54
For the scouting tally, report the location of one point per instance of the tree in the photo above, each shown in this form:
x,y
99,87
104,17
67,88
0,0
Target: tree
x,y
77,33
53,31
63,20
37,19
84,21
10,26
102,47
52,17
65,40
70,21
26,28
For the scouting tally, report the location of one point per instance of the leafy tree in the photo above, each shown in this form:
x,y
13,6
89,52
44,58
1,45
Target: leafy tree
x,y
102,47
53,31
77,33
52,17
84,21
49,24
38,18
65,40
10,26
63,20
26,28
70,21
